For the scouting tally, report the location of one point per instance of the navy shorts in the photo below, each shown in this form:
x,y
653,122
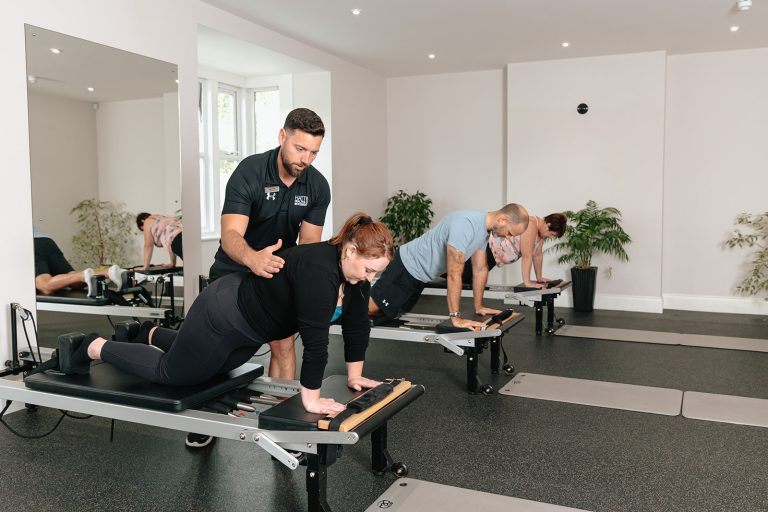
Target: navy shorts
x,y
396,291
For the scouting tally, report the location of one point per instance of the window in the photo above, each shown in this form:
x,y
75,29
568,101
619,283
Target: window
x,y
227,134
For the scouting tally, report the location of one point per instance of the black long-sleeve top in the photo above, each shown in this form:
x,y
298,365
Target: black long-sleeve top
x,y
302,297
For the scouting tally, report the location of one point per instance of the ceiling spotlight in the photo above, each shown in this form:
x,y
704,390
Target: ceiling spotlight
x,y
91,89
734,28
566,44
32,79
431,56
744,5
355,12
177,80
55,50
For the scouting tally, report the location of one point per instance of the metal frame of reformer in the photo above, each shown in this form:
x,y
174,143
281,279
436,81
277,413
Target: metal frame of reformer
x,y
163,314
320,446
538,299
470,343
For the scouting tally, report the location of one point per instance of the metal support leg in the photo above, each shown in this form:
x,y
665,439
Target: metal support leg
x,y
473,382
538,306
550,314
317,480
495,344
380,457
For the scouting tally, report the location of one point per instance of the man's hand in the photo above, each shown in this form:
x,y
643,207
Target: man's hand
x,y
358,383
324,406
467,323
487,311
265,263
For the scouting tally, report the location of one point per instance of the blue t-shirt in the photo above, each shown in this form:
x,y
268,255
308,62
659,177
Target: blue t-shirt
x,y
425,257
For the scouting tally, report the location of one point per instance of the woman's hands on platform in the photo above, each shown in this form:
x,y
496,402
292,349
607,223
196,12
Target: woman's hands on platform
x,y
323,405
359,383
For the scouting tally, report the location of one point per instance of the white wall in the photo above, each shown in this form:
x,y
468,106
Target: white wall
x,y
716,166
558,159
313,91
446,138
63,163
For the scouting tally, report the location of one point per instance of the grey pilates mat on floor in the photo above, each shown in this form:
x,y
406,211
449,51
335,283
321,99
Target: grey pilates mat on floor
x,y
628,397
725,409
410,495
664,338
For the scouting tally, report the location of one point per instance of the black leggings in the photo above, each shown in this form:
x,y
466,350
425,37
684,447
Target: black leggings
x,y
214,339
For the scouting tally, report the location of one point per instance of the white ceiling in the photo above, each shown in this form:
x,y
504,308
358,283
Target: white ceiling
x,y
393,37
114,74
219,51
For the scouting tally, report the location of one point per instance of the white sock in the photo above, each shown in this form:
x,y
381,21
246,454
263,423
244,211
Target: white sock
x,y
115,274
87,277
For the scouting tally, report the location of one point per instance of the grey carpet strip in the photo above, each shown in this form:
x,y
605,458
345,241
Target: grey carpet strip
x,y
411,495
612,395
665,338
725,409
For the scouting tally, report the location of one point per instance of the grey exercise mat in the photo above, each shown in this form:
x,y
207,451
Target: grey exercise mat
x,y
410,495
665,338
725,409
610,333
629,397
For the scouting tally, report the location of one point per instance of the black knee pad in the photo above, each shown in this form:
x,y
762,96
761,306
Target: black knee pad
x,y
126,331
68,345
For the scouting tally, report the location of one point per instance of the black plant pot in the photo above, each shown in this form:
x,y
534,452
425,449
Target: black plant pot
x,y
583,288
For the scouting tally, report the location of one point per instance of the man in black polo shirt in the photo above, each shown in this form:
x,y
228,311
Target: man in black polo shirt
x,y
272,199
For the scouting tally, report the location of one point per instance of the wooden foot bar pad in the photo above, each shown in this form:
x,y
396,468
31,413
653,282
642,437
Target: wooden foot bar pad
x,y
356,419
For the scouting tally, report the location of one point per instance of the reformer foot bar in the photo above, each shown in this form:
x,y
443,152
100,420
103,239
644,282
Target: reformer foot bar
x,y
538,299
110,393
425,329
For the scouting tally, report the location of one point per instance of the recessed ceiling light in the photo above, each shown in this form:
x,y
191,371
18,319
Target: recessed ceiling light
x,y
55,50
566,44
177,80
355,12
744,5
90,89
734,28
432,56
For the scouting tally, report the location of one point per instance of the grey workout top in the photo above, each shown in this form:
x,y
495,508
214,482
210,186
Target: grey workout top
x,y
425,257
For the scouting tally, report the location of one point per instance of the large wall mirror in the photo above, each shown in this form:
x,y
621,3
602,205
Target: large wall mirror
x,y
103,124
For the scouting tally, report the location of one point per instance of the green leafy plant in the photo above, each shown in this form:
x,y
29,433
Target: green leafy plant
x,y
592,230
408,216
757,278
105,233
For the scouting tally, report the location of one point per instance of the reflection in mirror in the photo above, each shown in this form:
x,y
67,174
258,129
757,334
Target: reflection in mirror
x,y
103,126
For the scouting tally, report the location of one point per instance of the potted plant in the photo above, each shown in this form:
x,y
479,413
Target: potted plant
x,y
407,216
589,231
757,278
105,233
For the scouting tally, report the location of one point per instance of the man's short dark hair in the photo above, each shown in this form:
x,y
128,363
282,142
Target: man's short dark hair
x,y
305,120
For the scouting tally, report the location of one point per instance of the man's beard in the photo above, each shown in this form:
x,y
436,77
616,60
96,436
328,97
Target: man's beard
x,y
291,170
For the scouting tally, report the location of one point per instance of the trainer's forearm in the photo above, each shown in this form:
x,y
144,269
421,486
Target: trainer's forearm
x,y
237,248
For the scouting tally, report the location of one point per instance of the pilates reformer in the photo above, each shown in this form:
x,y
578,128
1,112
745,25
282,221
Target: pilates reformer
x,y
538,298
438,329
239,406
130,300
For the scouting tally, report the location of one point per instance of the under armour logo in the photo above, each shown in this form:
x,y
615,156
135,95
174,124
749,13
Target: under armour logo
x,y
271,196
384,301
385,504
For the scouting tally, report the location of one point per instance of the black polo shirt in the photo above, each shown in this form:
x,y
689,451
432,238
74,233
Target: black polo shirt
x,y
274,210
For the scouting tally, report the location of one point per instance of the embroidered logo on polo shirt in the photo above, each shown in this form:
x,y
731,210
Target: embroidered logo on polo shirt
x,y
301,201
271,193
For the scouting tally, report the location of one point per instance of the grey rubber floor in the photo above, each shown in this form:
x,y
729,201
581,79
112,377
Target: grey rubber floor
x,y
564,454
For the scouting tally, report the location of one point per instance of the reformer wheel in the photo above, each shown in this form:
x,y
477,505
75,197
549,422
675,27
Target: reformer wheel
x,y
30,407
487,389
399,469
550,330
508,369
561,321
